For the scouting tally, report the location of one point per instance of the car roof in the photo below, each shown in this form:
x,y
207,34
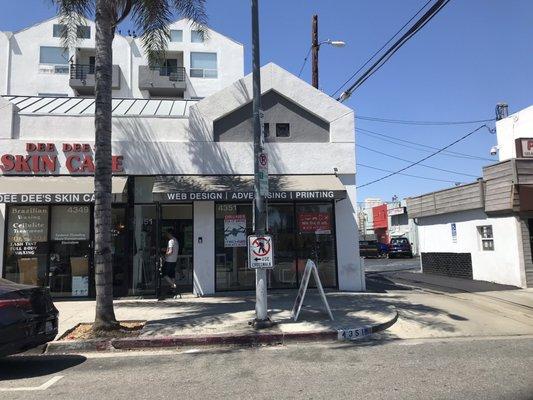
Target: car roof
x,y
9,286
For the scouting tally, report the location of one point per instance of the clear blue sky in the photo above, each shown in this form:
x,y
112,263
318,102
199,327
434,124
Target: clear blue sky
x,y
474,54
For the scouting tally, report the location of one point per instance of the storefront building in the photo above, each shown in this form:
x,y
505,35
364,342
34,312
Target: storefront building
x,y
484,230
190,170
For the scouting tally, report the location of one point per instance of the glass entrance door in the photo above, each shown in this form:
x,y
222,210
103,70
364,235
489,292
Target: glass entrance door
x,y
70,251
179,219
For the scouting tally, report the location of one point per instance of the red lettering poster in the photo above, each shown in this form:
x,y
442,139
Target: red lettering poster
x,y
315,222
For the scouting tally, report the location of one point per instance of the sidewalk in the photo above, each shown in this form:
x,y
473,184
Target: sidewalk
x,y
229,315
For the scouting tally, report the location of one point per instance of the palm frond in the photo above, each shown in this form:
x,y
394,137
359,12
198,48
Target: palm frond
x,y
73,13
195,11
153,18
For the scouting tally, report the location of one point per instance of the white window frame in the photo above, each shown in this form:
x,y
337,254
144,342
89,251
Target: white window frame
x,y
176,41
203,69
486,237
53,68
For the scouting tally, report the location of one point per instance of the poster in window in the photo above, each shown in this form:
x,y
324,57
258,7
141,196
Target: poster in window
x,y
235,230
70,223
315,222
27,232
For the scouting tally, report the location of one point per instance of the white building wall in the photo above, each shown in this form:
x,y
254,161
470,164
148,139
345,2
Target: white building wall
x,y
348,261
27,76
500,266
515,126
204,252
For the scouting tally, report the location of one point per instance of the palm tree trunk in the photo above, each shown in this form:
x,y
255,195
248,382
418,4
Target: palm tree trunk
x,y
105,315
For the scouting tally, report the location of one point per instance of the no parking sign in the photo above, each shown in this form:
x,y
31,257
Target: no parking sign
x,y
260,252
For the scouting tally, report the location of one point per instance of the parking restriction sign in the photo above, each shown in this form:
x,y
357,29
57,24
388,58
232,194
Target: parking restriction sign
x,y
260,252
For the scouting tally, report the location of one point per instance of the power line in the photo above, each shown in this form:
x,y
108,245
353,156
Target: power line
x,y
410,161
425,148
379,50
305,62
403,174
418,25
425,158
408,122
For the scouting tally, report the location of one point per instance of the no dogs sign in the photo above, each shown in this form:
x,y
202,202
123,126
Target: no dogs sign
x,y
260,252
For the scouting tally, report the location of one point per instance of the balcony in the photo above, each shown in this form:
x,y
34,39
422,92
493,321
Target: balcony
x,y
82,78
162,81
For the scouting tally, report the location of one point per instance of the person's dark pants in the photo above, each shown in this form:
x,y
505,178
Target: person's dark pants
x,y
168,269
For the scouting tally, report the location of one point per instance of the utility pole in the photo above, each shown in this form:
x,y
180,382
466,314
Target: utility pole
x,y
262,319
315,46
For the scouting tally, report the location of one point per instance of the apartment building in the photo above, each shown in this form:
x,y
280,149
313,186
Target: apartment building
x,y
197,64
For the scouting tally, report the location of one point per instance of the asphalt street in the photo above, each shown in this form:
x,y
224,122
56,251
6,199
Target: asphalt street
x,y
489,368
394,264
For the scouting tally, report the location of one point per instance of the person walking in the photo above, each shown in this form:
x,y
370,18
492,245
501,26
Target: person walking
x,y
171,258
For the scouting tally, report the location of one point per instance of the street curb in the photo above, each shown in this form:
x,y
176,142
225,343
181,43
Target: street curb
x,y
242,339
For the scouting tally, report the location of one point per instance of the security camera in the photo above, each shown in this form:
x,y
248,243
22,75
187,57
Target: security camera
x,y
494,150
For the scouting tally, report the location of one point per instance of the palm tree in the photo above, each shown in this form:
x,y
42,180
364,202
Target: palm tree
x,y
151,17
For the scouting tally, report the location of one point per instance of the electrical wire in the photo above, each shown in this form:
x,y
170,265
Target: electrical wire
x,y
420,165
428,16
379,50
403,174
305,62
424,147
408,122
425,158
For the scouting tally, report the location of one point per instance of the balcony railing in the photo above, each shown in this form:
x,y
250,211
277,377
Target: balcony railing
x,y
80,71
175,74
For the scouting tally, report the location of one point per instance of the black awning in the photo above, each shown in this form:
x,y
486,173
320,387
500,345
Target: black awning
x,y
169,189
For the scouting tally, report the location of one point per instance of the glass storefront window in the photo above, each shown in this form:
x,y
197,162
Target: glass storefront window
x,y
27,245
316,240
178,217
281,225
233,223
70,250
146,254
119,248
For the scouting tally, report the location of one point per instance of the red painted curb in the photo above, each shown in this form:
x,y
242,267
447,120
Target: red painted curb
x,y
249,338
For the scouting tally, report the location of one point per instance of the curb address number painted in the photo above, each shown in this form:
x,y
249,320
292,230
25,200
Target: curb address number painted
x,y
352,334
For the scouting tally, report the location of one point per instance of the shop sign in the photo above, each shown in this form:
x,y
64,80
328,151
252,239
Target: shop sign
x,y
527,148
396,211
243,196
235,230
260,252
41,158
27,232
47,198
315,222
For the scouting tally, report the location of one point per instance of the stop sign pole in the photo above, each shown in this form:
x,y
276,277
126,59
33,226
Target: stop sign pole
x,y
262,319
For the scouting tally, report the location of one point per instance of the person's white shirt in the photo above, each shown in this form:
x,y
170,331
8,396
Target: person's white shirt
x,y
172,250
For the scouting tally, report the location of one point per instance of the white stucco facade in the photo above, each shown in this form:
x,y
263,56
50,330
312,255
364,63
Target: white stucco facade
x,y
501,265
23,73
515,126
184,145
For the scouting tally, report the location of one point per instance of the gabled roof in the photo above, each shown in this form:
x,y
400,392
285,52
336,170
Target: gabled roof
x,y
273,77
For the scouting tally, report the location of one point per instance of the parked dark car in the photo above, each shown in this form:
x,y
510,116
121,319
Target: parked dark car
x,y
400,247
372,249
28,317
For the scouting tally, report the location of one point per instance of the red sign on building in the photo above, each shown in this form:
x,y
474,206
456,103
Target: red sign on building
x,y
315,222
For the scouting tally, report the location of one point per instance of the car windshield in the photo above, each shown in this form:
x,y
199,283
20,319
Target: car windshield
x,y
400,241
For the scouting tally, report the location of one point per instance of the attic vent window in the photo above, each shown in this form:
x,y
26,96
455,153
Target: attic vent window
x,y
283,130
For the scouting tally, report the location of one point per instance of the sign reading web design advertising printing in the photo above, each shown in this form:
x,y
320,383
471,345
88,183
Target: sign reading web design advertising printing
x,y
27,230
315,222
235,230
